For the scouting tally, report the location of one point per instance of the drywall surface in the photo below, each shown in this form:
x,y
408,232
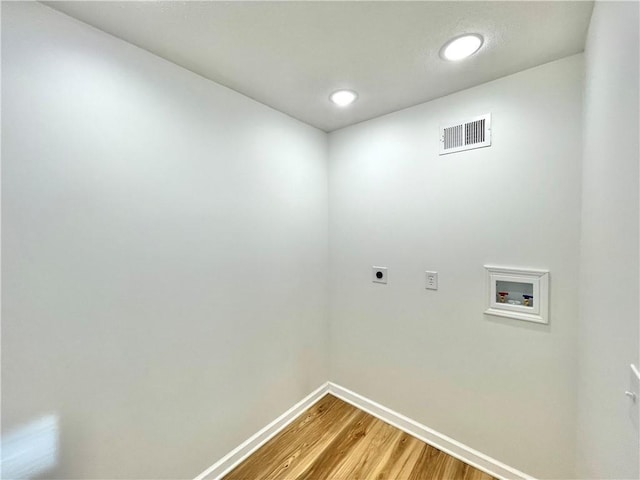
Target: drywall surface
x,y
607,435
164,254
504,387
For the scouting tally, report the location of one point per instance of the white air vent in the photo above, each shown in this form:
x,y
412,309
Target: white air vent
x,y
466,135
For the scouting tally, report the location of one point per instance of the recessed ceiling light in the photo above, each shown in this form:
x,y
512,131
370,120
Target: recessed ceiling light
x,y
342,98
461,47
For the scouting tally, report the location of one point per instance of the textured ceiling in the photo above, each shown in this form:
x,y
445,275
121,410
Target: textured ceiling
x,y
292,55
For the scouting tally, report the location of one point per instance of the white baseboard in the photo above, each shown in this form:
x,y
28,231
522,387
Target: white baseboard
x,y
435,439
240,453
448,445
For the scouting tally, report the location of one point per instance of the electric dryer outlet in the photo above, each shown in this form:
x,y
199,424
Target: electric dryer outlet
x,y
379,274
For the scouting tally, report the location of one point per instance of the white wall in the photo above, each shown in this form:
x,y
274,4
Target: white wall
x,y
607,435
164,253
504,387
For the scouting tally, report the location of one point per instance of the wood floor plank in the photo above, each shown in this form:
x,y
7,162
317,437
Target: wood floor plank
x,y
285,445
427,465
368,453
335,449
414,454
358,444
297,440
475,474
403,454
336,441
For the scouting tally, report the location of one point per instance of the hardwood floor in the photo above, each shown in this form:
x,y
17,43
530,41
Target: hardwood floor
x,y
336,441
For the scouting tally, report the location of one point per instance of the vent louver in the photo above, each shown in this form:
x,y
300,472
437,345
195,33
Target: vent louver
x,y
466,135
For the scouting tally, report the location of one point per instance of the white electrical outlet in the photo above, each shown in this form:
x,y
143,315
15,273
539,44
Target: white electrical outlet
x,y
431,280
379,274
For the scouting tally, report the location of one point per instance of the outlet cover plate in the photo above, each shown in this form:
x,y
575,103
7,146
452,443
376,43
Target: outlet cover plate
x,y
431,280
379,274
